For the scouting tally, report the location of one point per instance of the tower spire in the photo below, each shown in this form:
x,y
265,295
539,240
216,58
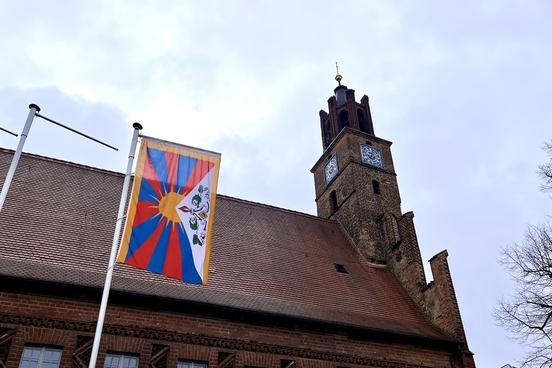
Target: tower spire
x,y
338,77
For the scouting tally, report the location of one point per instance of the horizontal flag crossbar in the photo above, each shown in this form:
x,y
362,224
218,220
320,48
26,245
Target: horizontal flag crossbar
x,y
7,131
76,131
180,145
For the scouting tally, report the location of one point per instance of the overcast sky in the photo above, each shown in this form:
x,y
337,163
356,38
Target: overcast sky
x,y
462,88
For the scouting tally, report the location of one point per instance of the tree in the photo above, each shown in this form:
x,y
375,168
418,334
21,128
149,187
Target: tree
x,y
528,315
545,170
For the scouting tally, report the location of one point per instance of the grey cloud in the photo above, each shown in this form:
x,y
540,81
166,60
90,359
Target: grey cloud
x,y
96,119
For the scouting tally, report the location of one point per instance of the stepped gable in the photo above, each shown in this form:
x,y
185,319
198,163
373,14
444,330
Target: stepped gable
x,y
57,226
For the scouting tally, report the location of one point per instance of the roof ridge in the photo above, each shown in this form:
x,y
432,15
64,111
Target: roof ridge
x,y
259,204
116,173
65,162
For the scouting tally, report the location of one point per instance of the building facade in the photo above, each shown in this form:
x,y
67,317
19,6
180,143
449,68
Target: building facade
x,y
345,288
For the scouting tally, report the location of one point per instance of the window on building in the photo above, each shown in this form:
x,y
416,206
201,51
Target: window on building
x,y
343,119
190,364
340,268
120,360
327,133
333,201
40,357
376,186
362,123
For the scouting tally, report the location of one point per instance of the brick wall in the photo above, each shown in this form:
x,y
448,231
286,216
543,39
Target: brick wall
x,y
69,324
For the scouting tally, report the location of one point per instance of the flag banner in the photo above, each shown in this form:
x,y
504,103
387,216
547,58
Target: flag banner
x,y
170,216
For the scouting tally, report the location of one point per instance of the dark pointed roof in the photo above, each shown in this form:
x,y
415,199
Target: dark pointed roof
x,y
57,226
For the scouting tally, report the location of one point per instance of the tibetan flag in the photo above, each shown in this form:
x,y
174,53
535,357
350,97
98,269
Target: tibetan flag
x,y
170,216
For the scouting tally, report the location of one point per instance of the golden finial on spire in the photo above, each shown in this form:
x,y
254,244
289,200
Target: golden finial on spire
x,y
338,77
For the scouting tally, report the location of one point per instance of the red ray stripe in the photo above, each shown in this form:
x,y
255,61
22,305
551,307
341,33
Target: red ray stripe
x,y
201,168
145,211
172,169
173,261
151,176
142,255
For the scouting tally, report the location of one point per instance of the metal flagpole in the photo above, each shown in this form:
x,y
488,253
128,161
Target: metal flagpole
x,y
15,160
114,245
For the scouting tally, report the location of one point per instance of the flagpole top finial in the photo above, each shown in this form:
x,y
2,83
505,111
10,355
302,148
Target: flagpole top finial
x,y
137,126
338,76
34,106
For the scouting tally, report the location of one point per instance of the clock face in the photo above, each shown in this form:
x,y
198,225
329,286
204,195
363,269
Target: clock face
x,y
371,156
330,169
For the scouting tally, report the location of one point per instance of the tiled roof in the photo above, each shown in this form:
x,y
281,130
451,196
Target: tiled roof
x,y
57,225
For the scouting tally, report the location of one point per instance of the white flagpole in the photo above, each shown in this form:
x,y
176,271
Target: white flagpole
x,y
15,160
114,245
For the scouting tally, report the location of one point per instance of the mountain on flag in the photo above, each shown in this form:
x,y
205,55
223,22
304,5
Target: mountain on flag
x,y
169,221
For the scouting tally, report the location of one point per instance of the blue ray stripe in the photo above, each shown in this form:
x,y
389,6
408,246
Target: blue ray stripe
x,y
157,260
189,273
147,193
157,159
185,167
141,233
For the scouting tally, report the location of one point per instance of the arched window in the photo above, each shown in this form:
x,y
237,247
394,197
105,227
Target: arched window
x,y
343,119
333,201
376,186
362,123
327,133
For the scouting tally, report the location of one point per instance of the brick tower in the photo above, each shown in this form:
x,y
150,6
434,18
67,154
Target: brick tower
x,y
356,184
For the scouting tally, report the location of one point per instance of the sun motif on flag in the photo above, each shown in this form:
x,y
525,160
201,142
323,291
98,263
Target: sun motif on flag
x,y
171,215
167,206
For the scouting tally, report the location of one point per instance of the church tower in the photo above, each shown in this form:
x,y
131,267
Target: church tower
x,y
355,180
356,185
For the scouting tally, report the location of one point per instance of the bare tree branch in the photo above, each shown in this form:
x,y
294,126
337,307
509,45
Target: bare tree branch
x,y
528,314
545,170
